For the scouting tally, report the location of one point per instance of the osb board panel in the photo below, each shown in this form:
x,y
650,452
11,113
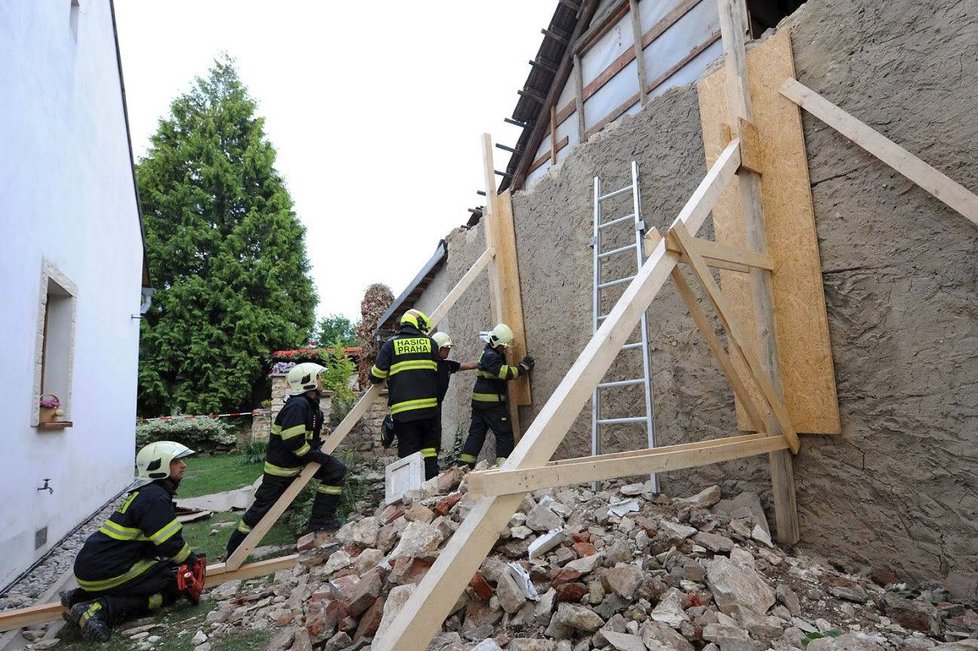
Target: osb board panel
x,y
807,372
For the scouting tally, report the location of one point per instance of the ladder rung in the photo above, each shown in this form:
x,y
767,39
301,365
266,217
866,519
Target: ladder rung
x,y
637,344
621,383
625,189
616,251
620,421
617,220
612,283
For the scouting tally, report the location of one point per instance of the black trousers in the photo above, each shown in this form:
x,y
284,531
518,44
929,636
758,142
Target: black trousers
x,y
495,418
137,597
420,436
331,475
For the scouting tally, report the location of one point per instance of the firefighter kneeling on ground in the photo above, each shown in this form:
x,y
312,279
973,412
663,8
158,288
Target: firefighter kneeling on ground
x,y
489,408
127,568
294,442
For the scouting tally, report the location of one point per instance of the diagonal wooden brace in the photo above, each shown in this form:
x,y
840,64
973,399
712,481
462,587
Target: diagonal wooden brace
x,y
736,336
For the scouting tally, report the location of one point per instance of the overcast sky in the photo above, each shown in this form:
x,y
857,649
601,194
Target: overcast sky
x,y
376,110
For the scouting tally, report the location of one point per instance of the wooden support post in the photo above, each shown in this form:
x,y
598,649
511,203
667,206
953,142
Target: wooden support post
x,y
504,280
353,417
937,183
216,574
636,462
438,591
733,27
639,53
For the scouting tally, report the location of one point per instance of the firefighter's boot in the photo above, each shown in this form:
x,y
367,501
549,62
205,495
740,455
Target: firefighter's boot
x,y
90,617
323,516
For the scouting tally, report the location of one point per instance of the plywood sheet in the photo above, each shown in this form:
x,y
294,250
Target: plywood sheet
x,y
808,376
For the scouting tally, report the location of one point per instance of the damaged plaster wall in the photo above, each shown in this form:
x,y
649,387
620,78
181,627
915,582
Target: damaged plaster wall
x,y
900,271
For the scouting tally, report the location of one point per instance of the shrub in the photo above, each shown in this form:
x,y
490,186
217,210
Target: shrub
x,y
449,457
254,452
200,433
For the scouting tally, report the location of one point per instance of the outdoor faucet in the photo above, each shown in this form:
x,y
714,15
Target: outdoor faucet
x,y
46,487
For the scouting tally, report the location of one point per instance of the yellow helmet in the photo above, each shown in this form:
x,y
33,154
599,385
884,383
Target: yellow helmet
x,y
442,339
418,319
304,377
501,335
153,460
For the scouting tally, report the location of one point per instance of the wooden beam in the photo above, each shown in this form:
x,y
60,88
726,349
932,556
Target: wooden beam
x,y
718,253
639,55
708,192
216,574
754,410
733,27
352,417
463,284
934,181
637,462
437,592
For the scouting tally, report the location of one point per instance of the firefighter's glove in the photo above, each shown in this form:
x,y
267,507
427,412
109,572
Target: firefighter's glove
x,y
526,364
318,456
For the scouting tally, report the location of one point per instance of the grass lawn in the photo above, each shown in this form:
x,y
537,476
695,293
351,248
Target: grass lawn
x,y
199,535
176,628
216,474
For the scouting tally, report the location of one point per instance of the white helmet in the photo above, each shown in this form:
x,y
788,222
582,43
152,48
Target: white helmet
x,y
442,339
501,335
304,377
153,460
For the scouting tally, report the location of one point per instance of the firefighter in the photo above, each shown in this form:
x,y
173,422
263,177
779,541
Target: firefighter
x,y
128,567
446,368
294,442
408,361
489,408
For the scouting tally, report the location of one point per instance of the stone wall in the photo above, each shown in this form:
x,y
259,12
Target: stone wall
x,y
900,273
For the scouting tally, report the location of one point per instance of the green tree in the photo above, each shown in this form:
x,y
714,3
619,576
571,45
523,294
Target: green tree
x,y
226,253
336,328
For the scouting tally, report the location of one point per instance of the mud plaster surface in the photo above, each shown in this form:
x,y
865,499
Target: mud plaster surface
x,y
900,271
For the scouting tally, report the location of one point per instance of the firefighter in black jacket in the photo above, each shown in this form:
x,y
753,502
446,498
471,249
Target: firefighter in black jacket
x,y
489,408
128,567
408,361
294,442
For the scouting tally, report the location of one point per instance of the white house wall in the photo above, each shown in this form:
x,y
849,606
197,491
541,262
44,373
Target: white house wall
x,y
66,198
677,56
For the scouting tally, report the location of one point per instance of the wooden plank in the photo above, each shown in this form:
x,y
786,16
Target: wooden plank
x,y
638,462
553,135
807,373
352,417
437,592
737,337
714,252
519,390
545,158
463,284
216,574
757,411
929,178
579,99
639,59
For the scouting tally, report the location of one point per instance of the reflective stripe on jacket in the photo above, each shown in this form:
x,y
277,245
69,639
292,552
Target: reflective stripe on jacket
x,y
296,432
491,376
408,361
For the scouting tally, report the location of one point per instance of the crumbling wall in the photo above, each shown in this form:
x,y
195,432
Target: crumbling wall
x,y
900,271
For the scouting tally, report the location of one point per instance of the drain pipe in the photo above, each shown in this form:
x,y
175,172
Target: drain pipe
x,y
7,588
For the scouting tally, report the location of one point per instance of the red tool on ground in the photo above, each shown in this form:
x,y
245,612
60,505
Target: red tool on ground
x,y
191,578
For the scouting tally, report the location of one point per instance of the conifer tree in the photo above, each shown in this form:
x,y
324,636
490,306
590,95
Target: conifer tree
x,y
226,253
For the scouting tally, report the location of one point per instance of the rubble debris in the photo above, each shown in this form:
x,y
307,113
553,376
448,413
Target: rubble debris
x,y
570,572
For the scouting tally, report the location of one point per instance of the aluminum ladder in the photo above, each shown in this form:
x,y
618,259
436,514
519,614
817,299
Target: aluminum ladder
x,y
634,221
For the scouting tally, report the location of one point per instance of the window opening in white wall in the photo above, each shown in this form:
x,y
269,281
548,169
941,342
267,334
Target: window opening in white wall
x,y
56,347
